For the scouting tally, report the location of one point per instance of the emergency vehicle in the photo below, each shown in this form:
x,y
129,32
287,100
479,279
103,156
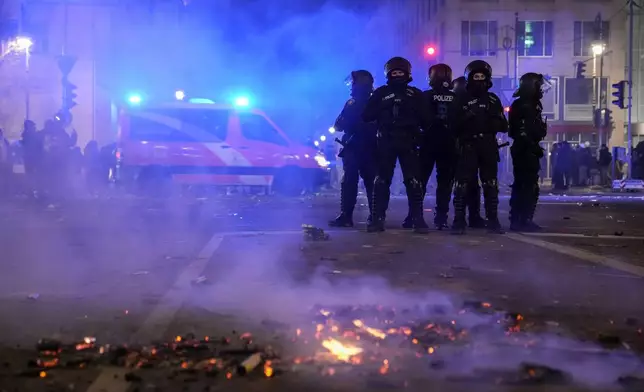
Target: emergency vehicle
x,y
212,144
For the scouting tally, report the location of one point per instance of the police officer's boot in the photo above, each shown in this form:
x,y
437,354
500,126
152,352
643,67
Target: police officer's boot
x,y
380,201
376,225
529,225
420,226
491,200
517,219
442,206
440,220
415,195
408,222
369,191
458,227
345,219
474,206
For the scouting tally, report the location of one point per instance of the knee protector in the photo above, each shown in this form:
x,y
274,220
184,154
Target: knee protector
x,y
460,186
491,184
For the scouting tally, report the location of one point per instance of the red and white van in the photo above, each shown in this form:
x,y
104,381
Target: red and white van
x,y
212,144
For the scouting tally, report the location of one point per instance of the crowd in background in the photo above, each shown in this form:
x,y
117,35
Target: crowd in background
x,y
53,163
578,166
571,165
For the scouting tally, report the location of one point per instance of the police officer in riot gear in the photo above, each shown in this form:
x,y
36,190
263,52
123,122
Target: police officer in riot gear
x,y
527,129
479,117
438,144
473,189
459,84
400,112
358,151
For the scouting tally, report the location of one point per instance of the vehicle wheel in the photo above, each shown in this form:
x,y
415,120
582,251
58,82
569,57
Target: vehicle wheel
x,y
290,181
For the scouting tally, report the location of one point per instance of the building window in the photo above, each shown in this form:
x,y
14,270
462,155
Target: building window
x,y
550,100
479,38
585,34
535,38
582,91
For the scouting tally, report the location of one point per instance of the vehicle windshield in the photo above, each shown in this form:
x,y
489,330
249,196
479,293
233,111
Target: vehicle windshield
x,y
179,125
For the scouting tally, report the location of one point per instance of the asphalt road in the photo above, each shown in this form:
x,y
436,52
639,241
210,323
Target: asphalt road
x,y
125,270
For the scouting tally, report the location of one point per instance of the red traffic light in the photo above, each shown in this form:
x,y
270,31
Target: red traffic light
x,y
430,50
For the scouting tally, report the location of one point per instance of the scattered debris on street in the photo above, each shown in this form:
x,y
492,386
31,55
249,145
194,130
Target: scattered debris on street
x,y
312,233
365,341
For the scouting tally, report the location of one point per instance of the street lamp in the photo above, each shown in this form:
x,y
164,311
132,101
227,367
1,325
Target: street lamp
x,y
597,49
22,44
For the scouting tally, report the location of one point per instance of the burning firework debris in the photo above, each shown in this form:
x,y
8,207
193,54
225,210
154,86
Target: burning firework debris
x,y
385,345
184,355
312,233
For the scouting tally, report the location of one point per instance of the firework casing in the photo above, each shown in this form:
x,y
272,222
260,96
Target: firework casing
x,y
249,364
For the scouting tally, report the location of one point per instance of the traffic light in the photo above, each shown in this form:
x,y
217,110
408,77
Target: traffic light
x,y
430,52
580,70
597,118
608,119
69,95
620,88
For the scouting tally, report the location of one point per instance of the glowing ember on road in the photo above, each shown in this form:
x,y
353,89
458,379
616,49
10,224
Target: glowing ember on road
x,y
341,351
372,331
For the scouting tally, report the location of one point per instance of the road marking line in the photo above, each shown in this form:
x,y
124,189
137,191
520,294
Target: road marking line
x,y
259,233
111,379
580,254
575,235
156,324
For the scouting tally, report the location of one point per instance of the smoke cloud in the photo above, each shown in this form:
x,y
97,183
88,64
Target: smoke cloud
x,y
291,58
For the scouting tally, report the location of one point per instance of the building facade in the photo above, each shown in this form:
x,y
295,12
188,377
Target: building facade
x,y
546,36
95,33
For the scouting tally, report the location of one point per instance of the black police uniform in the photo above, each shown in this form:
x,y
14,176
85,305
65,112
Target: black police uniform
x,y
438,143
527,129
359,145
400,112
473,198
479,117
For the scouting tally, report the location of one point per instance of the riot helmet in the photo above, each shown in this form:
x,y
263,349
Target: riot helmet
x,y
440,76
531,85
360,82
398,69
459,84
479,76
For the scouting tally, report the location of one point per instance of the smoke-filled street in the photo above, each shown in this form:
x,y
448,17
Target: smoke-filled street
x,y
559,309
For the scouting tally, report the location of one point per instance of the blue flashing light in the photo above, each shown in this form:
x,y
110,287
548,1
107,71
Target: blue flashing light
x,y
134,99
242,102
180,95
201,100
